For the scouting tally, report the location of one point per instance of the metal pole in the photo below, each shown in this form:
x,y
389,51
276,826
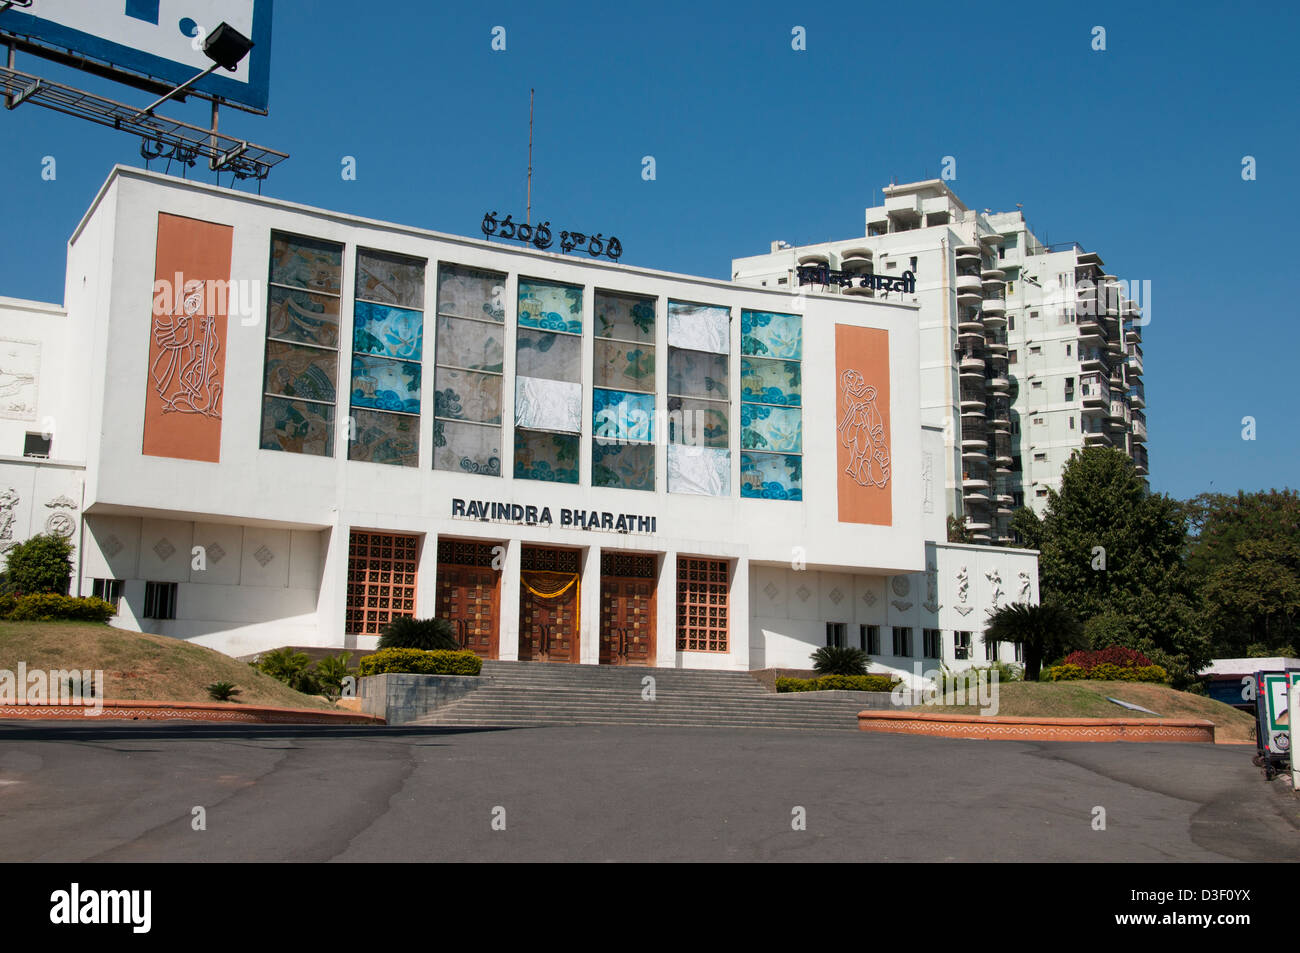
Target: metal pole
x,y
528,215
9,100
216,108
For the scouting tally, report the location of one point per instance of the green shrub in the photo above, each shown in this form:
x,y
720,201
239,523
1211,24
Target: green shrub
x,y
8,602
222,691
41,564
407,632
1105,673
840,660
825,683
330,672
419,662
49,606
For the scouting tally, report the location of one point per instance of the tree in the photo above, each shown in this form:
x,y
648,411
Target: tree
x,y
840,660
1245,564
1027,528
42,564
958,532
407,632
1044,631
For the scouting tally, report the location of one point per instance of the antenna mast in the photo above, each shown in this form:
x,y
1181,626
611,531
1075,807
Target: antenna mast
x,y
528,215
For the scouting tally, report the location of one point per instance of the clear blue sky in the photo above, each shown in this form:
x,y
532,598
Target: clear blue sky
x,y
1134,152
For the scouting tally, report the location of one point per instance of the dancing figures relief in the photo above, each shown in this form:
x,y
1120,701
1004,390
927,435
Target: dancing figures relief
x,y
862,431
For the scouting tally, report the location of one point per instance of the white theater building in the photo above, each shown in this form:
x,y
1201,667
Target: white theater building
x,y
266,424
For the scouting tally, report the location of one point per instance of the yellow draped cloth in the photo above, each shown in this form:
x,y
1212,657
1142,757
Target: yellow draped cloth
x,y
552,585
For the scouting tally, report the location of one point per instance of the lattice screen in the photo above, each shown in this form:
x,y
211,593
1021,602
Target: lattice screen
x,y
381,580
702,592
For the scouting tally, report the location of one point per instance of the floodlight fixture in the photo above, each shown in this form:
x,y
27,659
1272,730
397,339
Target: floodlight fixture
x,y
226,46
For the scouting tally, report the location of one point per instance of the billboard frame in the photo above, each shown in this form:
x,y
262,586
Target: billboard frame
x,y
129,65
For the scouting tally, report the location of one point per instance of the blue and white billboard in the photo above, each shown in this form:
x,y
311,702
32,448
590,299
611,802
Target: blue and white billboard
x,y
162,39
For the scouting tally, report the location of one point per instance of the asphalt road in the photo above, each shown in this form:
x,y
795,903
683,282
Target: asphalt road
x,y
127,792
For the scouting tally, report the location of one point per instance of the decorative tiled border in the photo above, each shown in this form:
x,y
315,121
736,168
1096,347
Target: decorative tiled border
x,y
188,711
1036,729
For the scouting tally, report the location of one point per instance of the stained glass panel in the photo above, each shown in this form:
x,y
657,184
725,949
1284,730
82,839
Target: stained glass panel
x,y
548,405
550,307
771,476
470,293
698,423
770,382
705,471
306,263
466,395
556,357
293,370
767,334
470,344
625,317
296,426
546,456
620,416
304,317
771,428
392,332
697,374
469,448
390,279
383,384
385,438
625,366
628,466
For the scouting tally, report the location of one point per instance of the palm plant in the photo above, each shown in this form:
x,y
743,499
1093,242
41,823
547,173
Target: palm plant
x,y
1044,631
840,660
407,632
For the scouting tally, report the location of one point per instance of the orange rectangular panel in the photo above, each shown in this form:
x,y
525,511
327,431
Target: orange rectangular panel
x,y
187,340
864,441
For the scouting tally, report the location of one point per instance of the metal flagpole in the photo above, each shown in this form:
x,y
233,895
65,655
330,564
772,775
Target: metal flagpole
x,y
528,214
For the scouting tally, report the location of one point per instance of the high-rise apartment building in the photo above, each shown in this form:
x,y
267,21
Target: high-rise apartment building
x,y
1027,352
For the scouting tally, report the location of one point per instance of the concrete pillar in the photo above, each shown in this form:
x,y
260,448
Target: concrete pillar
x,y
666,611
426,578
738,618
332,600
589,607
508,625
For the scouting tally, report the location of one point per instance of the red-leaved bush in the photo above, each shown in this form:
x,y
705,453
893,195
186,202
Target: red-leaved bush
x,y
1115,655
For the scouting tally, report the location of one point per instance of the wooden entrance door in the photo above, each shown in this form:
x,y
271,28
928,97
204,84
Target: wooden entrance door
x,y
627,609
469,594
548,627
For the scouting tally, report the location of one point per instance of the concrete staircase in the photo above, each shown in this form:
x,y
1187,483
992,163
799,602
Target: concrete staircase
x,y
526,694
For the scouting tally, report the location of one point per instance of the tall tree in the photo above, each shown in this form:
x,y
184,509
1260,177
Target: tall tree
x,y
1044,632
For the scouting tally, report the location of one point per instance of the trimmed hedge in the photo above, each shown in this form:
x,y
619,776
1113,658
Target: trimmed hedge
x,y
1105,673
826,683
50,607
420,662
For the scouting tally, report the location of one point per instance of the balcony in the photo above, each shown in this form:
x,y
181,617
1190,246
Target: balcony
x,y
1139,427
968,282
1095,395
971,366
1002,449
1140,460
1134,361
974,438
855,260
1096,438
1092,359
1137,394
815,258
993,278
994,308
1119,410
968,251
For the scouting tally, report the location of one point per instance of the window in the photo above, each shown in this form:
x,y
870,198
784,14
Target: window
x,y
902,642
1040,458
961,645
912,264
699,399
1020,652
869,639
1011,357
1036,349
1071,419
836,634
381,580
1035,385
702,592
932,643
1068,349
387,359
548,382
623,400
468,363
771,418
1038,421
160,600
1040,492
300,385
110,590
1002,253
1011,322
37,445
990,651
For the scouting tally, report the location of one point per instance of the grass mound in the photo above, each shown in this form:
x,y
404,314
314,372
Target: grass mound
x,y
140,667
1087,699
